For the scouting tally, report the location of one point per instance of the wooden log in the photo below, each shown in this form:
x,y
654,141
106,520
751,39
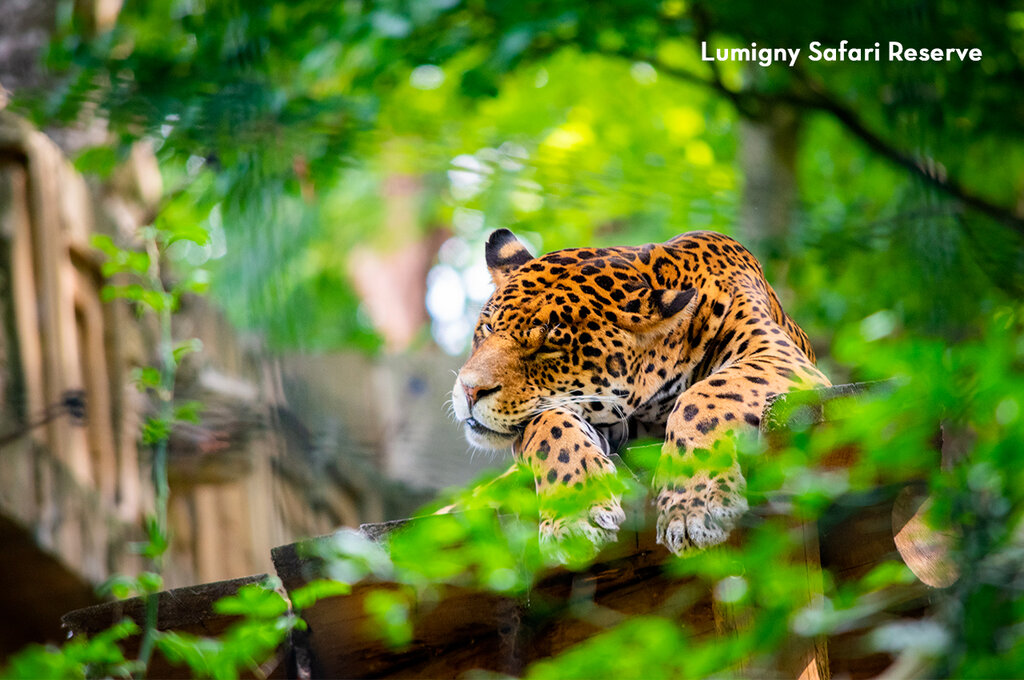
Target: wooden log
x,y
459,629
456,629
185,610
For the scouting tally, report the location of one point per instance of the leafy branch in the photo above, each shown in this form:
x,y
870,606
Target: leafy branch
x,y
150,289
813,96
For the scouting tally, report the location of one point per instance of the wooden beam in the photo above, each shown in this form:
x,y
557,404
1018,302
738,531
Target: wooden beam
x,y
185,610
458,629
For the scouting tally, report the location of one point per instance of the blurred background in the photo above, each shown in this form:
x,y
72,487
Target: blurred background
x,y
325,174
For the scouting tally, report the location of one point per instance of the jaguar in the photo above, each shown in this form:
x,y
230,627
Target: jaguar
x,y
580,350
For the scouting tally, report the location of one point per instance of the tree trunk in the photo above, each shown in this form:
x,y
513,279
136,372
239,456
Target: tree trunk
x,y
768,149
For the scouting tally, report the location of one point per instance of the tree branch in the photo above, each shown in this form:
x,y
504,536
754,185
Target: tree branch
x,y
925,169
749,104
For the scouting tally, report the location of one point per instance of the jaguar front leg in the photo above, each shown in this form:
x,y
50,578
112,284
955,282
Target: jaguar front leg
x,y
701,489
574,480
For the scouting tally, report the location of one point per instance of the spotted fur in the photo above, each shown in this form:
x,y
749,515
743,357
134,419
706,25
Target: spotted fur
x,y
581,349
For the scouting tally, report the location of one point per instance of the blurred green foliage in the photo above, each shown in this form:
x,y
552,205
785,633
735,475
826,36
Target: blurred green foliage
x,y
95,657
136,273
265,621
278,126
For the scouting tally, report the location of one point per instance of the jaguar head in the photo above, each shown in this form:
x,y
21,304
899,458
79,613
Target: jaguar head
x,y
575,329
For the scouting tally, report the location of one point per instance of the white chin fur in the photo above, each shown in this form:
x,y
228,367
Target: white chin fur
x,y
495,441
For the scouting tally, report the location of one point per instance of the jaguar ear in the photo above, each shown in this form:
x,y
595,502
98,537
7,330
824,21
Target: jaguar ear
x,y
656,311
504,255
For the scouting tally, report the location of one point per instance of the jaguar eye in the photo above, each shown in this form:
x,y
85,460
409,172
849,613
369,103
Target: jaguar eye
x,y
486,329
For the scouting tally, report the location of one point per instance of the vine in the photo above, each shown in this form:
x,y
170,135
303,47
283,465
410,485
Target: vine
x,y
150,289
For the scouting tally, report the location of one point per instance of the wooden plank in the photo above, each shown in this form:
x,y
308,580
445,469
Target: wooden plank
x,y
808,659
456,630
809,407
37,586
100,429
23,287
462,629
186,610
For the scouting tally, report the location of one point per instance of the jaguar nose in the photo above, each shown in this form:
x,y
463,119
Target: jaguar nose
x,y
475,393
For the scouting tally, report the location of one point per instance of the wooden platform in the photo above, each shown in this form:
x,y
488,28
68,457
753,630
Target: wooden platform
x,y
456,630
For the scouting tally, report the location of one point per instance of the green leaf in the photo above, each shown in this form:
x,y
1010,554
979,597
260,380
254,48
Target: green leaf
x,y
197,283
129,292
187,347
158,540
120,260
887,574
201,655
157,300
188,411
253,600
105,244
150,582
314,591
390,611
146,377
155,430
98,160
137,262
119,586
99,656
195,232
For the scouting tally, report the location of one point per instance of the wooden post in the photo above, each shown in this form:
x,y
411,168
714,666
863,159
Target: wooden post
x,y
48,178
808,659
100,431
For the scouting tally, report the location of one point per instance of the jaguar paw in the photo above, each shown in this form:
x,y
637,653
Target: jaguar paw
x,y
580,537
697,515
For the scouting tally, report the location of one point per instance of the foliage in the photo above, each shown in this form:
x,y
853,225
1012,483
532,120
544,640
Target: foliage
x,y
265,622
975,631
586,123
279,125
80,658
149,288
138,274
762,579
